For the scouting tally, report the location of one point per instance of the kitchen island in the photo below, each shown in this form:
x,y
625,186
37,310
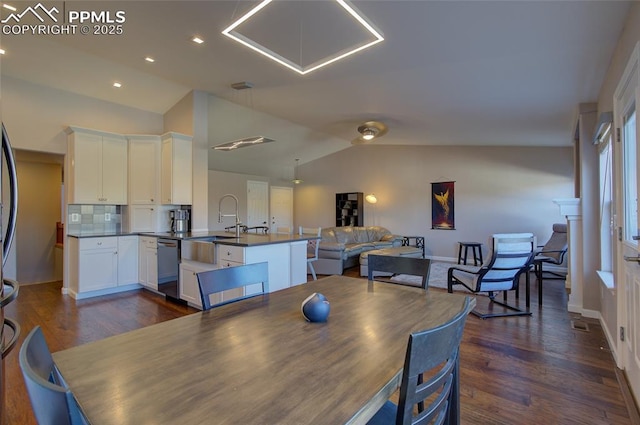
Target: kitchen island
x,y
108,263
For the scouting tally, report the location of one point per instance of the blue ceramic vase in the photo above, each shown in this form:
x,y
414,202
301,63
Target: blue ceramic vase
x,y
315,308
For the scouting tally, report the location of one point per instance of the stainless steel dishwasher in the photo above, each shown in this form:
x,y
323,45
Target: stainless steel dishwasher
x,y
168,267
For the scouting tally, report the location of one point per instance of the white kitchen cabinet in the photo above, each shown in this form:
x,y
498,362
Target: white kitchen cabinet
x,y
176,169
144,170
143,218
97,263
102,265
190,289
97,167
127,260
148,267
277,255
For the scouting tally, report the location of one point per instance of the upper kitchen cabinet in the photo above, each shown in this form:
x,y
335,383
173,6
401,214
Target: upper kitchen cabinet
x,y
97,164
144,169
176,169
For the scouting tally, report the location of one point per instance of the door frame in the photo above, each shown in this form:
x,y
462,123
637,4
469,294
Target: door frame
x,y
626,96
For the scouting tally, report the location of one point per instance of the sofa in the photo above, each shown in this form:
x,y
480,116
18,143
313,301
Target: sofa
x,y
340,247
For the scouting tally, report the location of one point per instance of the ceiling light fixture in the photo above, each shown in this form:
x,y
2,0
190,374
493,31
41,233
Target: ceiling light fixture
x,y
197,40
368,131
296,180
371,198
117,85
302,70
150,59
8,6
245,141
1,51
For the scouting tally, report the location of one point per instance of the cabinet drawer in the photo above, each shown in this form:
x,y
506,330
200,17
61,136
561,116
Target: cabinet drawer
x,y
224,263
230,253
149,242
98,243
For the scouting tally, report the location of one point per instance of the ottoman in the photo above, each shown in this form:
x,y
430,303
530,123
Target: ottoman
x,y
396,251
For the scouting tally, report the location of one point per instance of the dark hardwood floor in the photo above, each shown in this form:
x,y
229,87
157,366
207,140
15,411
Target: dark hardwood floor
x,y
517,370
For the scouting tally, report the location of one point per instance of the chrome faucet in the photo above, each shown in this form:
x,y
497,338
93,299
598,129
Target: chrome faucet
x,y
220,215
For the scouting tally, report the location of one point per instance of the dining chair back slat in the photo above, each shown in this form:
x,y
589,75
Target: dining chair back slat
x,y
51,399
219,280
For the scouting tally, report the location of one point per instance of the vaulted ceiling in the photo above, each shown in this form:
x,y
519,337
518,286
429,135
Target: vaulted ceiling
x,y
448,72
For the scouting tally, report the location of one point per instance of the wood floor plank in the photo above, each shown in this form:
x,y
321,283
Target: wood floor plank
x,y
517,370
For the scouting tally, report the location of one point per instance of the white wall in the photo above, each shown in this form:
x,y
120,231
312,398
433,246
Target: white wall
x,y
498,189
222,183
36,116
229,121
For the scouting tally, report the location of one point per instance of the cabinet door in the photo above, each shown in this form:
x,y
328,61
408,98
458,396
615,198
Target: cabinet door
x,y
143,218
144,169
182,171
114,170
86,169
98,269
176,170
142,261
152,267
189,289
127,260
166,171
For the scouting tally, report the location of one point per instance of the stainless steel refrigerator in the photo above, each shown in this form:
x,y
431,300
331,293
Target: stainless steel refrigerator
x,y
10,330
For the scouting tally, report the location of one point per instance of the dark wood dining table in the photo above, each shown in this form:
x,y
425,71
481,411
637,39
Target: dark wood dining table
x,y
258,361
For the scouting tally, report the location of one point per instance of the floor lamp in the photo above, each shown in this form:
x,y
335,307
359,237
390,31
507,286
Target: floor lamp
x,y
371,198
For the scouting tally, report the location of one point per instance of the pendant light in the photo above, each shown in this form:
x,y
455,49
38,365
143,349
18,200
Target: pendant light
x,y
296,180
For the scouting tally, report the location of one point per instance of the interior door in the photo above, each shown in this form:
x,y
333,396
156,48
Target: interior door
x,y
281,206
257,203
626,101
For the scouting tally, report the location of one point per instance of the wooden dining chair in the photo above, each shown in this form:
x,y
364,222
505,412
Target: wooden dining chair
x,y
408,271
430,386
219,280
312,247
51,399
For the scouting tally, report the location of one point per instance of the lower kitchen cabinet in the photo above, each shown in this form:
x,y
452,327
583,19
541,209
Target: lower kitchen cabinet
x,y
277,255
102,265
148,257
127,260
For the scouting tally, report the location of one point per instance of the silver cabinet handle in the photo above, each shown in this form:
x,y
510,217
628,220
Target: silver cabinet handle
x,y
636,258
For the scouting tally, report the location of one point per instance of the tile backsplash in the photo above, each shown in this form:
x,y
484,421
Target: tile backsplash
x,y
94,219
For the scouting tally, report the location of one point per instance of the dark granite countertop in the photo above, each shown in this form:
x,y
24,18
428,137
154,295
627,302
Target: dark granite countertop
x,y
221,237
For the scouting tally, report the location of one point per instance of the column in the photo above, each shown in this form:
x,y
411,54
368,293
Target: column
x,y
571,209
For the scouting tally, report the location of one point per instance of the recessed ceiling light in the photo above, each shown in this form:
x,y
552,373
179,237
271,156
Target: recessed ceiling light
x,y
149,59
197,39
8,6
1,51
117,85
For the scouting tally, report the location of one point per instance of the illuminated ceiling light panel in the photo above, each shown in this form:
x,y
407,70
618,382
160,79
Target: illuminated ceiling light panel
x,y
355,13
150,59
117,85
243,143
197,40
1,51
8,6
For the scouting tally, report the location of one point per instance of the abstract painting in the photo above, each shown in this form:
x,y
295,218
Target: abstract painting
x,y
442,206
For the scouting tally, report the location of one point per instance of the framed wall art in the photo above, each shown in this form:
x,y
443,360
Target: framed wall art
x,y
442,206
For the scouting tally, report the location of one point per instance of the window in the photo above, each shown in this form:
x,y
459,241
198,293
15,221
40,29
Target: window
x,y
630,200
607,232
